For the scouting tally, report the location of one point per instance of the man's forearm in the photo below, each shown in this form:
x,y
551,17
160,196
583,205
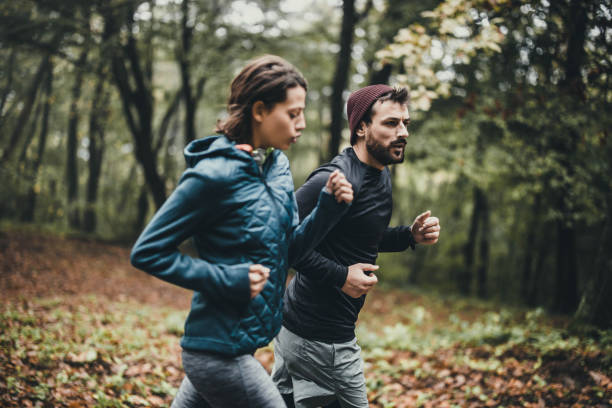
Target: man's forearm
x,y
321,269
397,239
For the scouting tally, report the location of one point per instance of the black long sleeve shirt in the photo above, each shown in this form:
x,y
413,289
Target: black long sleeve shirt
x,y
315,307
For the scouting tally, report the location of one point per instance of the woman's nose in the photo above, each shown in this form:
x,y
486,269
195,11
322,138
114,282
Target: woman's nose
x,y
301,123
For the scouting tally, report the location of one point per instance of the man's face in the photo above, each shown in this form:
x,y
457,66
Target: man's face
x,y
386,135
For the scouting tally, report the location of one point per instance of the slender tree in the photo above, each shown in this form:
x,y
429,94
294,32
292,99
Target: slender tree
x,y
30,203
596,303
29,136
98,118
566,293
26,110
72,143
8,87
350,17
184,66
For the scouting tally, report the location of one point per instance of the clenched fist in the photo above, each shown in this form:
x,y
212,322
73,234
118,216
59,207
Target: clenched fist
x,y
426,229
339,187
258,276
358,280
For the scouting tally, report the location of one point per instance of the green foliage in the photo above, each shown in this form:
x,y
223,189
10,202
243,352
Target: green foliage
x,y
434,350
502,331
454,38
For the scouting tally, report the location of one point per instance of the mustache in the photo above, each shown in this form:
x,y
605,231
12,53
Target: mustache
x,y
398,143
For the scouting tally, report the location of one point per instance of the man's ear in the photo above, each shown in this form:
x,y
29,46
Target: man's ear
x,y
258,110
361,129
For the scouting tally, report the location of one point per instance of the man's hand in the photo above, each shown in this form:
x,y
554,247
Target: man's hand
x,y
426,229
339,187
358,283
258,276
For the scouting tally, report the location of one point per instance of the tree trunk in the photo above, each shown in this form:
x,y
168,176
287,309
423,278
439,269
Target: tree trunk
x,y
97,122
167,158
483,264
127,186
8,88
566,296
72,144
530,249
576,25
143,208
381,76
137,105
542,252
466,275
30,204
185,44
341,75
596,303
163,127
29,137
417,265
322,133
24,115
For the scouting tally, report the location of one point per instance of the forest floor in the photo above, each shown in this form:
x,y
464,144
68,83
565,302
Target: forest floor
x,y
80,327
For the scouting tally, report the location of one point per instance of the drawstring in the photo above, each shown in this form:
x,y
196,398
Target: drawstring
x,y
259,155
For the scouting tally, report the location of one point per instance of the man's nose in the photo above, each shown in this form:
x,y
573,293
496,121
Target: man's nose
x,y
403,132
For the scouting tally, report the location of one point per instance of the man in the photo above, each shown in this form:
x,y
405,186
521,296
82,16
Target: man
x,y
317,359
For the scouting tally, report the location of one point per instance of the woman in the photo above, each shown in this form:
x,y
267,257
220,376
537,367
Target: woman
x,y
238,205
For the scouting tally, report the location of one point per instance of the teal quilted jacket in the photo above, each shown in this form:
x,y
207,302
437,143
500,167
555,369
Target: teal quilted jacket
x,y
237,215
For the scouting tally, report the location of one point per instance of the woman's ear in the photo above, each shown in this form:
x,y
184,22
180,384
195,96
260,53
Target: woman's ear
x,y
258,111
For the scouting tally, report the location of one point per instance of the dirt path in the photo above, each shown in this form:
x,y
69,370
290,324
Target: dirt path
x,y
39,265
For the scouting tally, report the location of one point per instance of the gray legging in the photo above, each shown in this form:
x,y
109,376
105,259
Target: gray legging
x,y
215,381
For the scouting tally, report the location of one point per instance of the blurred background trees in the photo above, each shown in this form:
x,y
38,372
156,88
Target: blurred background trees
x,y
509,144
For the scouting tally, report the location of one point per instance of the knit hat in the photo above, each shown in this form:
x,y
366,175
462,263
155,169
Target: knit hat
x,y
360,102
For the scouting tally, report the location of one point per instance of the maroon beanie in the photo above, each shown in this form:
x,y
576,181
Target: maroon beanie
x,y
360,102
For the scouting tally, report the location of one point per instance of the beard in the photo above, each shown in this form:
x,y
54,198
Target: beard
x,y
383,154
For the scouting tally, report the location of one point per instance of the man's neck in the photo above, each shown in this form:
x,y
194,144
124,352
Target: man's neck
x,y
365,157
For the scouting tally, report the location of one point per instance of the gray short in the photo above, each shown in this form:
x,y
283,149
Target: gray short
x,y
317,373
217,381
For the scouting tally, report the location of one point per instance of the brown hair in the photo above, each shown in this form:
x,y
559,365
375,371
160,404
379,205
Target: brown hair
x,y
265,79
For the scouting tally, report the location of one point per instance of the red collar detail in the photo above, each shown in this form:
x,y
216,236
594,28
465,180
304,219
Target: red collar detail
x,y
245,147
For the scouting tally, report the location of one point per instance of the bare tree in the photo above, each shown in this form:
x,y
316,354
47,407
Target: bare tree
x,y
30,204
134,85
350,18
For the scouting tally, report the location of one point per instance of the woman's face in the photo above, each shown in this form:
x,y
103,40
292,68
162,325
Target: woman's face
x,y
281,126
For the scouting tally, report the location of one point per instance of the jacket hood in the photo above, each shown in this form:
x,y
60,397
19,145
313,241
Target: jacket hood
x,y
216,145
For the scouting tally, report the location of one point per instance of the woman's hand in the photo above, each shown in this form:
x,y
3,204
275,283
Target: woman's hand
x,y
258,276
339,187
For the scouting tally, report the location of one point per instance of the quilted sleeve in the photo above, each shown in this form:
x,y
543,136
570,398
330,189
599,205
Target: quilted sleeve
x,y
194,205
